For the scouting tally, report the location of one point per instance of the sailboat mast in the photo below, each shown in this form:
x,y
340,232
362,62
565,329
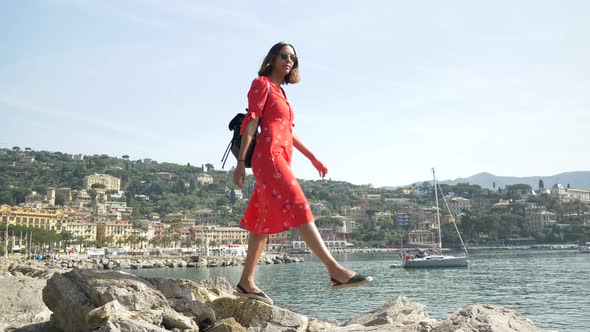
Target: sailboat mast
x,y
437,212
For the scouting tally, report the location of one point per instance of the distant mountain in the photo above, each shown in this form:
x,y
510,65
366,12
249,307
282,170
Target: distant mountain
x,y
579,179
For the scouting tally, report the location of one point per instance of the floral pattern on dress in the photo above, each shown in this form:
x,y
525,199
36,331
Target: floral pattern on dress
x,y
277,203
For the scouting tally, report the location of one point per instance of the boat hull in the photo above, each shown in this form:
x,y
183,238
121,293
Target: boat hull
x,y
435,261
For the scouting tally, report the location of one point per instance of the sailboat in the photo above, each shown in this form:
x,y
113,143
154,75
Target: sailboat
x,y
424,260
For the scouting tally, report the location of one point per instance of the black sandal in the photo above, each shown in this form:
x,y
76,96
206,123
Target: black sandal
x,y
356,280
255,296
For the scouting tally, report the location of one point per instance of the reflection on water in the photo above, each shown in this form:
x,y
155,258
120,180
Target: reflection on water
x,y
549,287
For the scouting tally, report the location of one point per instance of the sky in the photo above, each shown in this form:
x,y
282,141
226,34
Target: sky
x,y
389,89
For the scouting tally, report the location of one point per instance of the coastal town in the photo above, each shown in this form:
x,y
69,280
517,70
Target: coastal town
x,y
97,213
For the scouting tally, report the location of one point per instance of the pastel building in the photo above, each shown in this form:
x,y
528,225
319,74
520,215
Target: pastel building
x,y
110,182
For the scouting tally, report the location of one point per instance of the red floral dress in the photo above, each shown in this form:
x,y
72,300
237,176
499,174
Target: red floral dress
x,y
277,203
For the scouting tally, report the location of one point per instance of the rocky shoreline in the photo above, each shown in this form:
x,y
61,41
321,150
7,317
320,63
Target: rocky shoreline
x,y
70,262
41,298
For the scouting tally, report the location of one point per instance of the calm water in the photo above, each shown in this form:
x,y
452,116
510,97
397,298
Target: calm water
x,y
551,287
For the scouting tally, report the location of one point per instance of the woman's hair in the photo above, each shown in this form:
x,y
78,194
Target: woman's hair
x,y
266,67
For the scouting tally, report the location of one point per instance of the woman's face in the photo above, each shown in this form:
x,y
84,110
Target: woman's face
x,y
284,61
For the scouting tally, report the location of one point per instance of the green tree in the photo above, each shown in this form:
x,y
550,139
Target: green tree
x,y
60,199
66,237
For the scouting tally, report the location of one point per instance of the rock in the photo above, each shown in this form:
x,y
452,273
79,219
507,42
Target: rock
x,y
207,291
21,304
109,312
259,316
198,311
219,286
316,325
227,325
69,303
172,289
213,263
398,312
128,325
485,317
72,295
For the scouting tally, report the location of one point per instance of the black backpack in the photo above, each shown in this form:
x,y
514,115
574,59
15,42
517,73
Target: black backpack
x,y
236,141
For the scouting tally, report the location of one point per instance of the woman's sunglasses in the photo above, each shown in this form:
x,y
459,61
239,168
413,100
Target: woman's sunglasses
x,y
286,56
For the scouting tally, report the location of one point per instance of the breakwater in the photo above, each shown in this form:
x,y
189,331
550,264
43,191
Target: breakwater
x,y
124,263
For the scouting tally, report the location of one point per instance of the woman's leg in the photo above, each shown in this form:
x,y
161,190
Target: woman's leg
x,y
310,234
256,244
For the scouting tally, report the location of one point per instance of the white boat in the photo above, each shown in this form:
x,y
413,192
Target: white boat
x,y
422,259
584,248
434,261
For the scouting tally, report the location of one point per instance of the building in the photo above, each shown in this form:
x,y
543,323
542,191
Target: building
x,y
121,208
402,220
47,219
277,241
110,232
538,218
458,204
220,235
110,182
398,203
165,175
84,229
421,237
160,229
206,216
358,213
204,178
570,194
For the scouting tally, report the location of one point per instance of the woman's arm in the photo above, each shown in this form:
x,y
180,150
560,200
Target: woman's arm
x,y
298,144
240,171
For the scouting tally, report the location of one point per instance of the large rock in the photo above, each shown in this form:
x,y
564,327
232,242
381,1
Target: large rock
x,y
73,295
20,302
129,325
259,316
227,325
485,317
206,291
398,312
69,303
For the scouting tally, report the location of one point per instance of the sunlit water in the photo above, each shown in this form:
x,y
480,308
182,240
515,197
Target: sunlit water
x,y
551,287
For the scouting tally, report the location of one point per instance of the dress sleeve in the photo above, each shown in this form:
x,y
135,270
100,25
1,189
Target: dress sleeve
x,y
256,100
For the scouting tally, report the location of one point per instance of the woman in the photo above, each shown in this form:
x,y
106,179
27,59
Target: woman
x,y
278,203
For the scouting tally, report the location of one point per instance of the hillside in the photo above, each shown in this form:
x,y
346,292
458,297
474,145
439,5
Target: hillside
x,y
486,180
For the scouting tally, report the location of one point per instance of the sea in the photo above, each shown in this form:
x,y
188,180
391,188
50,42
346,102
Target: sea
x,y
550,287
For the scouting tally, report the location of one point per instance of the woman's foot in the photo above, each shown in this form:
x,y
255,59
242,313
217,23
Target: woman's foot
x,y
346,278
255,294
356,280
341,274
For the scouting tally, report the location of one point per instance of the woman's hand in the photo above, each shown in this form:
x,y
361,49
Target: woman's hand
x,y
322,169
240,174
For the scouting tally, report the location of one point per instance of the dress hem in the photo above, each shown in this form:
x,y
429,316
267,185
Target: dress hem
x,y
271,233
